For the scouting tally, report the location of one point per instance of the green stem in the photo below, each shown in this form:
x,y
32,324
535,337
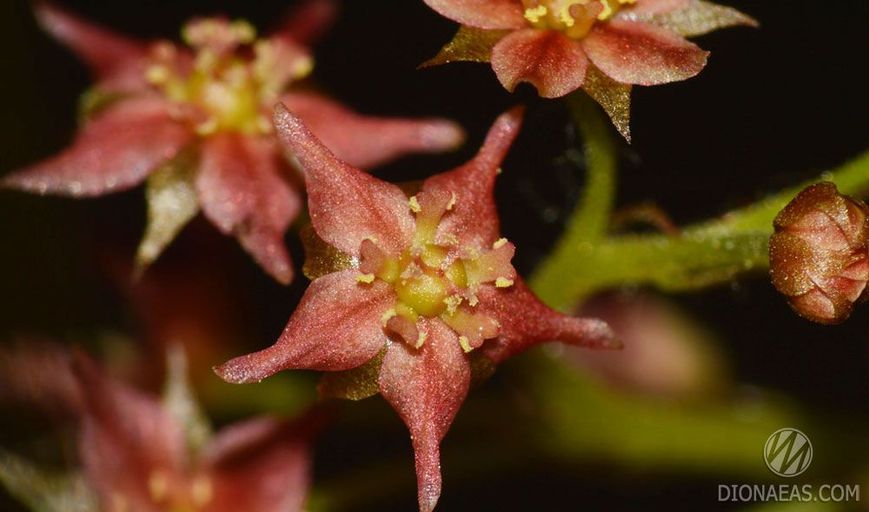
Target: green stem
x,y
713,252
591,219
687,262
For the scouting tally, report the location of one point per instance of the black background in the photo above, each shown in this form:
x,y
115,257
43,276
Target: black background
x,y
774,106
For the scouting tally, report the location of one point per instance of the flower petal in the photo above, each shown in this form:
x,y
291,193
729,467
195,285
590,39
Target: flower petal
x,y
128,442
113,58
474,217
307,23
642,54
114,151
337,326
242,192
367,141
468,45
551,61
486,14
526,321
346,205
172,202
694,18
260,465
426,386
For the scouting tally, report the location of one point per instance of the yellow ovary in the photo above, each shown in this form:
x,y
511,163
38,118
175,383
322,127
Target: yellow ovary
x,y
436,278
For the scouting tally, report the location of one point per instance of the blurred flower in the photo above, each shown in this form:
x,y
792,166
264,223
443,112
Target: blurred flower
x,y
601,46
194,121
142,454
409,294
666,354
819,254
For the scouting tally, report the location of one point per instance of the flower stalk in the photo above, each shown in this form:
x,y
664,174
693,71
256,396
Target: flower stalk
x,y
706,254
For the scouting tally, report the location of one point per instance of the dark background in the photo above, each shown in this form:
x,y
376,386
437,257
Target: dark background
x,y
775,106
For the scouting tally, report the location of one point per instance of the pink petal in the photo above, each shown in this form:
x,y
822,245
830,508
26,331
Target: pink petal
x,y
308,22
367,141
346,205
474,217
641,54
554,63
426,387
337,326
655,6
113,58
127,441
260,465
526,321
242,192
488,14
114,151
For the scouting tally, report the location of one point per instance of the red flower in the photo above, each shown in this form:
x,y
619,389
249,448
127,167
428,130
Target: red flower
x,y
602,46
418,291
195,122
139,455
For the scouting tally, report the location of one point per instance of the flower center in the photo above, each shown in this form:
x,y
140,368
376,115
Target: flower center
x,y
231,79
573,17
437,278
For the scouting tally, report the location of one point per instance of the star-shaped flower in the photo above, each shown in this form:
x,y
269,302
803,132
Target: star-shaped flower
x,y
601,46
410,293
194,121
141,453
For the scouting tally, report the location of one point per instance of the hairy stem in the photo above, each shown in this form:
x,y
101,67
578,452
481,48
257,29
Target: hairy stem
x,y
584,260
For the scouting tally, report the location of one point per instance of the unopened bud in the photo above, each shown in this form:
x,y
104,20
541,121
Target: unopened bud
x,y
819,254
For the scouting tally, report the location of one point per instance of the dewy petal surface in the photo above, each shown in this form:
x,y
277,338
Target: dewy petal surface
x,y
488,14
526,321
242,192
656,6
127,439
641,54
112,57
474,216
554,63
368,141
426,386
112,152
696,18
346,205
337,326
260,465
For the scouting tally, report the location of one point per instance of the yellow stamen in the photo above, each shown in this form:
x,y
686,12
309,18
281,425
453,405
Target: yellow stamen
x,y
452,202
534,14
503,282
414,205
158,486
453,302
500,243
201,491
387,316
421,339
465,343
365,278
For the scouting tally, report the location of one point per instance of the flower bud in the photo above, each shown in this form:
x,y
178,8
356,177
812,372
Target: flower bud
x,y
819,254
667,354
